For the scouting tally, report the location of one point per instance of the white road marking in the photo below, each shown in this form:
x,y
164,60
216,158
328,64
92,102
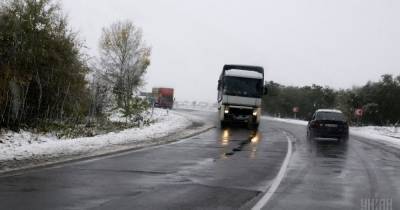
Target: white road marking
x,y
278,179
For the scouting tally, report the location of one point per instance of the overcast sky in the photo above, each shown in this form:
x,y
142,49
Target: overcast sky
x,y
339,43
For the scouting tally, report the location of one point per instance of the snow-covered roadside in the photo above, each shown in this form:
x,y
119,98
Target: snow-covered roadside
x,y
387,135
197,107
19,148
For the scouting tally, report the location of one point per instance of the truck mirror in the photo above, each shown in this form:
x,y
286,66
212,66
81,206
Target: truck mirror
x,y
265,90
219,84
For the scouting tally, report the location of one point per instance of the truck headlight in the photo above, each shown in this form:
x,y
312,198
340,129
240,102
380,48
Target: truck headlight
x,y
226,111
255,113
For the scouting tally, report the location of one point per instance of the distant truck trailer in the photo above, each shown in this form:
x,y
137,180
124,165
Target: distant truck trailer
x,y
163,97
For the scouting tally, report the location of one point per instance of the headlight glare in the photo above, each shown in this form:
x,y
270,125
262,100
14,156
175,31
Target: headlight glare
x,y
255,113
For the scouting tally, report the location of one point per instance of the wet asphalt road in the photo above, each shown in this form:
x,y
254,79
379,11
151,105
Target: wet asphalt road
x,y
331,175
219,169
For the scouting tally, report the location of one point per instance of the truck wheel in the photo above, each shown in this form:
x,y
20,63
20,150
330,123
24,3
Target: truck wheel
x,y
254,126
223,124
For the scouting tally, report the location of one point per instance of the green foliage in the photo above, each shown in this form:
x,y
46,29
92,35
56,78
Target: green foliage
x,y
281,99
69,130
134,108
42,73
380,100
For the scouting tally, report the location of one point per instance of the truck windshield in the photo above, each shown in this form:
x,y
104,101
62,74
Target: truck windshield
x,y
246,87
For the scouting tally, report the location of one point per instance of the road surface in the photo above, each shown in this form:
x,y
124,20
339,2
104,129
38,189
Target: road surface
x,y
219,169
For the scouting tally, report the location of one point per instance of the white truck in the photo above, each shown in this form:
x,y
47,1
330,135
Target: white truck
x,y
240,92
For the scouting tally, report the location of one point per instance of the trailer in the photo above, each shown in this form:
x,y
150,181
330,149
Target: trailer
x,y
163,97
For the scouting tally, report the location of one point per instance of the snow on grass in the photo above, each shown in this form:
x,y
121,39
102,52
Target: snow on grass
x,y
25,145
388,135
201,106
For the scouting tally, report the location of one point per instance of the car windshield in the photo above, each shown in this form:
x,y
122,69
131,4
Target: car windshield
x,y
330,116
246,87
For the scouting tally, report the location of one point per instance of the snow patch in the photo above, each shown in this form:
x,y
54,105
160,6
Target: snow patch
x,y
200,106
26,145
243,73
388,135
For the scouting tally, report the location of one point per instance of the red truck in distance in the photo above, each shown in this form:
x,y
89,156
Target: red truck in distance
x,y
163,97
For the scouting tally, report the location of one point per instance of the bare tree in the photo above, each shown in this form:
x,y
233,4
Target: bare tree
x,y
125,58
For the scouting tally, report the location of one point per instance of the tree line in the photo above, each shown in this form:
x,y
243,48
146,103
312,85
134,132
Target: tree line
x,y
46,77
379,100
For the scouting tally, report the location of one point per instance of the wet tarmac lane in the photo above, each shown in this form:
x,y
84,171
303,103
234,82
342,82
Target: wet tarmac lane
x,y
333,175
220,169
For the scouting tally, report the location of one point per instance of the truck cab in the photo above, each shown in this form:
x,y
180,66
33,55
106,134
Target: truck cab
x,y
240,92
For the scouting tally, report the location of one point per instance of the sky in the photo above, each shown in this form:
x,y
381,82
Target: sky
x,y
336,43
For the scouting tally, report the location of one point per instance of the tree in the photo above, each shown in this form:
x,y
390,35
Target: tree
x,y
379,100
125,58
41,68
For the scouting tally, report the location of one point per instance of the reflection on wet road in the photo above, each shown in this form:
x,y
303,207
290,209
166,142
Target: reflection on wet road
x,y
220,169
333,175
224,169
236,137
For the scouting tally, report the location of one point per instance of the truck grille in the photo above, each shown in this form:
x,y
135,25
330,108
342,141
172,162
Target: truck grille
x,y
239,111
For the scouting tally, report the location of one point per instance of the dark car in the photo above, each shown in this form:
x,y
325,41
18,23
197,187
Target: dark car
x,y
328,123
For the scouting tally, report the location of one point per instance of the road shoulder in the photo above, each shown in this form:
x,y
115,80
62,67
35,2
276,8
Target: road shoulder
x,y
168,134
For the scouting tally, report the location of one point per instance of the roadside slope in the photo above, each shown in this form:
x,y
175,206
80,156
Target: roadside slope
x,y
26,150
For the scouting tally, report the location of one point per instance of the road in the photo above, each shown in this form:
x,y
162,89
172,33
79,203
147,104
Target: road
x,y
218,169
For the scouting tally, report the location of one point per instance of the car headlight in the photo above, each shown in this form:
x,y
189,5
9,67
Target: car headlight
x,y
255,113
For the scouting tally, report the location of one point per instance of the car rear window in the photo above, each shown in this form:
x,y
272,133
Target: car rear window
x,y
330,116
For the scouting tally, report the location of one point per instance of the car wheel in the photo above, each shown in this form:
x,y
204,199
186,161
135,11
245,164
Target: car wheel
x,y
310,135
254,126
344,138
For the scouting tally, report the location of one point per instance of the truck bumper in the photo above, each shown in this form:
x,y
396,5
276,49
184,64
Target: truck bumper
x,y
240,114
